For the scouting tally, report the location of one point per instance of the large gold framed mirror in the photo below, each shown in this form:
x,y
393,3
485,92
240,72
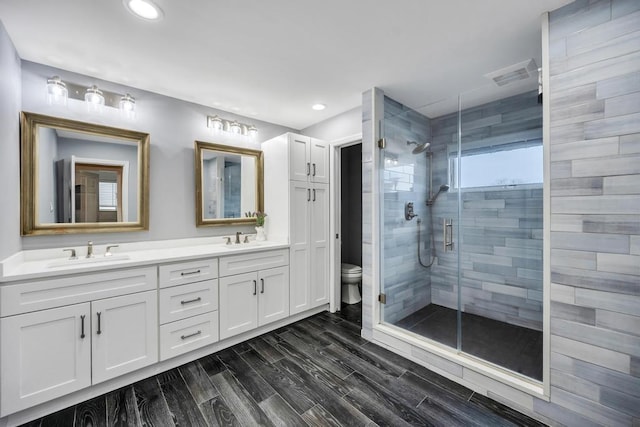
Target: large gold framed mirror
x,y
79,177
229,184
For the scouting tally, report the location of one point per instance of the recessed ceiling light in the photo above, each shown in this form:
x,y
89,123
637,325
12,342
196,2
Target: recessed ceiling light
x,y
144,9
318,107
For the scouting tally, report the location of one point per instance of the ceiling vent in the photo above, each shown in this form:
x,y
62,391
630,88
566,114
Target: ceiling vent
x,y
513,73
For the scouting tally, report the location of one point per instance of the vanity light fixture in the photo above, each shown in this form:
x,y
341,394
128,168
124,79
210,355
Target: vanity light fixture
x,y
234,127
217,124
57,92
144,9
94,98
128,106
318,107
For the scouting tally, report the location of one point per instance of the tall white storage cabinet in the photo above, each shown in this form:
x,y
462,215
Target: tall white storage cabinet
x,y
296,198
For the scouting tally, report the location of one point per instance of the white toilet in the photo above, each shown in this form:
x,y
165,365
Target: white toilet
x,y
351,277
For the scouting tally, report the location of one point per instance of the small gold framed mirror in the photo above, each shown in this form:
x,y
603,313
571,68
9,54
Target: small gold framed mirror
x,y
79,177
229,184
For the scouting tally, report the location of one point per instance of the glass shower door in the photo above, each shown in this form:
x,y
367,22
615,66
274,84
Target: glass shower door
x,y
499,180
418,277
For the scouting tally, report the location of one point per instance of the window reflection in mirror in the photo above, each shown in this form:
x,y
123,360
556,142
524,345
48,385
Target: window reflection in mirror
x,y
228,184
79,177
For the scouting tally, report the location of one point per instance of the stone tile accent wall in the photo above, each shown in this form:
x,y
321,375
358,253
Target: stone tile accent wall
x,y
500,239
595,211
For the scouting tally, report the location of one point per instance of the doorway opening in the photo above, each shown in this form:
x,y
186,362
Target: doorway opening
x,y
350,232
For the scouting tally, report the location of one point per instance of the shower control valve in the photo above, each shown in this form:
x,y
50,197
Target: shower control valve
x,y
408,211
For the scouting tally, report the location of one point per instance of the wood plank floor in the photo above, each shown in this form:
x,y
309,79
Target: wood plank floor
x,y
316,372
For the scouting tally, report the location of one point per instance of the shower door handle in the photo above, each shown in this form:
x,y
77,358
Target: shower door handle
x,y
447,229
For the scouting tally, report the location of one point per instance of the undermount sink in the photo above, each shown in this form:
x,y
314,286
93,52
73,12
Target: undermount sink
x,y
86,261
251,244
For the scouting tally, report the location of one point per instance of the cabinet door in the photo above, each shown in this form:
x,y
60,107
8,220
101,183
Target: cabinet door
x,y
273,295
319,161
319,252
299,153
124,334
44,356
238,304
299,246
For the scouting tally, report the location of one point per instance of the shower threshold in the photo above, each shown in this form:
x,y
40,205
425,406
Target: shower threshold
x,y
513,347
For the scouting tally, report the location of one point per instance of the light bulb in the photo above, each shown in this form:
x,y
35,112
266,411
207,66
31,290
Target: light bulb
x,y
57,93
94,99
128,106
215,123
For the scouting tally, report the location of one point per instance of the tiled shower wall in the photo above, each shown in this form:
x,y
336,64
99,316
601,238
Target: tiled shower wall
x,y
500,242
405,179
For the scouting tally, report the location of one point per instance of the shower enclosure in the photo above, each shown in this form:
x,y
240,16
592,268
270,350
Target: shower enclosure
x,y
461,225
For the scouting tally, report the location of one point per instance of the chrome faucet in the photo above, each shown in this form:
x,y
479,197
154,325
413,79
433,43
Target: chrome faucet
x,y
89,249
238,233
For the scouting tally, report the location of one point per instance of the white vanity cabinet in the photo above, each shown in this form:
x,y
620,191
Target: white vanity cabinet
x,y
300,215
254,291
188,306
65,336
308,159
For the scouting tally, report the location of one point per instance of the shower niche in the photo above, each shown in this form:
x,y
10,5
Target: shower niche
x,y
461,226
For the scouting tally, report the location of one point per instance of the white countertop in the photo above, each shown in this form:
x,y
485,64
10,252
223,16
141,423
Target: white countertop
x,y
44,263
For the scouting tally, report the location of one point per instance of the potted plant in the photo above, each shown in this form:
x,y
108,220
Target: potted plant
x,y
259,216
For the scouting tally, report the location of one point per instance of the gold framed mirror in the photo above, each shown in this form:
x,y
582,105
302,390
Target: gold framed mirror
x,y
78,177
229,183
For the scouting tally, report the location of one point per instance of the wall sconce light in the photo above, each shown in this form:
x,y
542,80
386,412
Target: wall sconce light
x,y
218,124
128,106
94,99
59,91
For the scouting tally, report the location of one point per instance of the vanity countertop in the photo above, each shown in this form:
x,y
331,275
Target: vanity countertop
x,y
46,263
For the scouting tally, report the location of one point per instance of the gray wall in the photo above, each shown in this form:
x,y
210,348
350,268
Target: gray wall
x,y
47,155
10,105
500,240
595,212
174,125
406,282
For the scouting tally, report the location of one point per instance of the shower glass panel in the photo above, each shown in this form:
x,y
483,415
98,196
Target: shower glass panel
x,y
500,185
461,225
419,279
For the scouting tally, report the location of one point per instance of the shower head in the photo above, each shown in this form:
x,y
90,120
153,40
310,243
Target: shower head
x,y
419,147
443,189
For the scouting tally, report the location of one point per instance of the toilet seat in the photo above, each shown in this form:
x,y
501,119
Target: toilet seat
x,y
351,277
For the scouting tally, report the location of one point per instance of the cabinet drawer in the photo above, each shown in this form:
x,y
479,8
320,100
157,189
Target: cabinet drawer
x,y
188,272
189,334
43,294
180,302
244,263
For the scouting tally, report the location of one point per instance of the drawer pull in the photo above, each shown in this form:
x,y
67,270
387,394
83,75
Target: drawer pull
x,y
187,273
262,286
184,337
99,330
255,287
314,169
308,169
82,326
189,301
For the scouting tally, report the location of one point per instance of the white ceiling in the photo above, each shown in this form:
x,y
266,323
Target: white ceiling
x,y
273,59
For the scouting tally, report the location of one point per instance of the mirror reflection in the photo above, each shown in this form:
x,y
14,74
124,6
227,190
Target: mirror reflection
x,y
79,177
228,184
85,178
